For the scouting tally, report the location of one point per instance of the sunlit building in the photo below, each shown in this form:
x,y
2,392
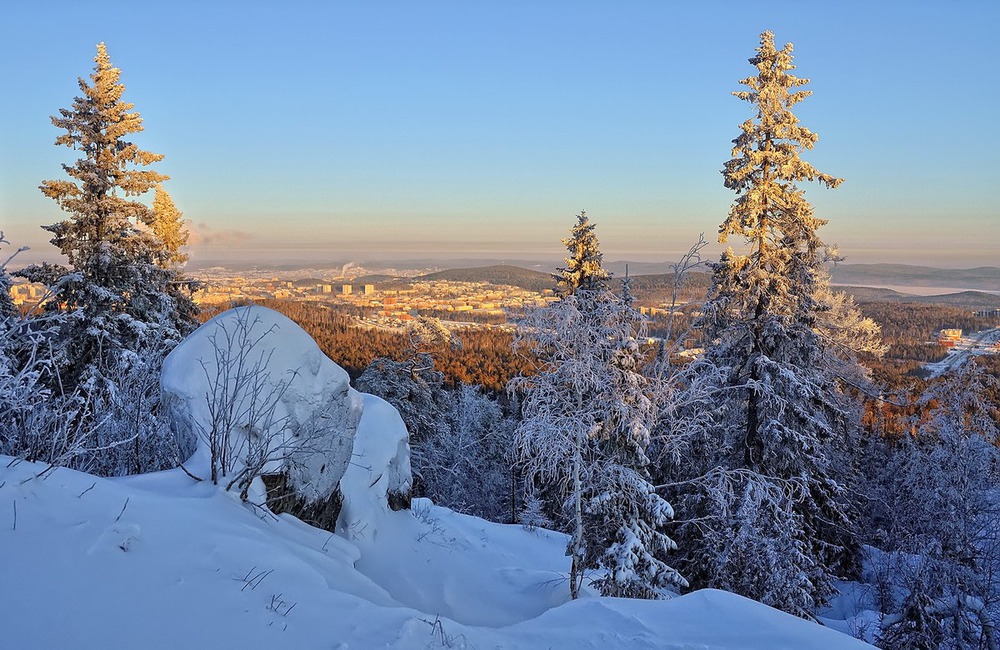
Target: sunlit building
x,y
948,337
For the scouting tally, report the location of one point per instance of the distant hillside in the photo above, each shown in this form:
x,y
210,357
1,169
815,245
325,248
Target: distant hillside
x,y
498,274
975,300
373,278
382,280
649,289
308,282
637,268
986,278
658,289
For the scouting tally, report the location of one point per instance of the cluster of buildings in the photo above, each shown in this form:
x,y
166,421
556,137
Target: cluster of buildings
x,y
395,301
457,298
950,338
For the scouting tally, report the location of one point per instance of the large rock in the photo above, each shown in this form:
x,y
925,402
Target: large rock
x,y
379,479
255,376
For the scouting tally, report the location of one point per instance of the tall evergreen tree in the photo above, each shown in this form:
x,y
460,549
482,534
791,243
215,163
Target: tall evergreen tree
x,y
168,227
585,430
779,410
117,289
585,265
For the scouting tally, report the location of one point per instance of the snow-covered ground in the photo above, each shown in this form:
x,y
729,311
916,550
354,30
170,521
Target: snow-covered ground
x,y
977,343
164,561
160,561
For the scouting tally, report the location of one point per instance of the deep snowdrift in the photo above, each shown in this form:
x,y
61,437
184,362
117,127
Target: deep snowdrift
x,y
158,561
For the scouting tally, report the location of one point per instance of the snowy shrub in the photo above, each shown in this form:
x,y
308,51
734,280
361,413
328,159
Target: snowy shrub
x,y
460,440
751,539
936,514
38,422
131,434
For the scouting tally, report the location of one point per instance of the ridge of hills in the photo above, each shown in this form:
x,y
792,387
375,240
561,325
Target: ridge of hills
x,y
515,276
866,282
658,287
982,277
966,299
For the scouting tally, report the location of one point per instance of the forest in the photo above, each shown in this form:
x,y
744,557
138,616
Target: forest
x,y
800,448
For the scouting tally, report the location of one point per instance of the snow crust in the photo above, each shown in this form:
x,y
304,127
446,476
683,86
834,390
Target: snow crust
x,y
314,406
159,561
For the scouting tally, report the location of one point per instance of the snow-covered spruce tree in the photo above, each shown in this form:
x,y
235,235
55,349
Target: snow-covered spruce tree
x,y
415,388
585,430
779,411
585,265
468,465
946,510
117,289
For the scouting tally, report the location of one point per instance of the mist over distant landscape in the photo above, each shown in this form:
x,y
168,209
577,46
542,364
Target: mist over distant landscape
x,y
920,280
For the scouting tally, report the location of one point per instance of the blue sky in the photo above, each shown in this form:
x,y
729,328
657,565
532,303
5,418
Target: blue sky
x,y
368,130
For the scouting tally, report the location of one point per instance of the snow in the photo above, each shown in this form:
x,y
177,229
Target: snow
x,y
163,561
160,561
264,372
380,466
854,610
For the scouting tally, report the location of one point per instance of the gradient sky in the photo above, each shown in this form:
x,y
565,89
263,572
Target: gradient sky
x,y
367,130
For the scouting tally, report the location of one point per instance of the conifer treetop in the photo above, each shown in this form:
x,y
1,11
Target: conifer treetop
x,y
585,265
168,227
110,169
766,165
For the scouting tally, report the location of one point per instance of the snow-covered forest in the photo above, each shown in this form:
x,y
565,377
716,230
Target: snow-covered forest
x,y
169,482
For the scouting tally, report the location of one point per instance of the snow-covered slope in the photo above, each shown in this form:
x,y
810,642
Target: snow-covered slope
x,y
162,561
159,561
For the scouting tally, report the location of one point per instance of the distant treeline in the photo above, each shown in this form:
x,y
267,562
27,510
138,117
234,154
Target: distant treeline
x,y
485,357
908,327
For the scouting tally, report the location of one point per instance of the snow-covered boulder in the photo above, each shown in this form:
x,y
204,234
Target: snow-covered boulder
x,y
379,478
256,387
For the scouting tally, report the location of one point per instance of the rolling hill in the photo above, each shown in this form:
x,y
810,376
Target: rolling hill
x,y
514,276
984,278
